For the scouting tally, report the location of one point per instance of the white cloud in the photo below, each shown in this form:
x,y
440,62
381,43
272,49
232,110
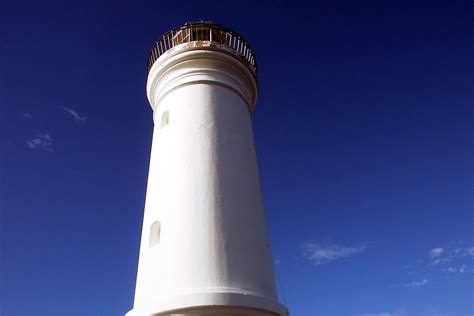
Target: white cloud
x,y
416,284
440,256
450,270
27,116
440,261
402,312
396,313
74,114
41,141
319,254
436,252
450,258
469,251
456,271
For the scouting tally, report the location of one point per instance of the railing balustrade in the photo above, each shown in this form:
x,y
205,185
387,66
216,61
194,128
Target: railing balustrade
x,y
202,31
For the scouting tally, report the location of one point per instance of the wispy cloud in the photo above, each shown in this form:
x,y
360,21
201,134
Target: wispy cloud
x,y
416,284
436,252
27,116
456,271
448,253
399,312
41,141
403,312
469,251
320,254
439,261
452,258
76,116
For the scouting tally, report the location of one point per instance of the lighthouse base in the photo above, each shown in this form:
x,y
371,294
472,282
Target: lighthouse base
x,y
213,304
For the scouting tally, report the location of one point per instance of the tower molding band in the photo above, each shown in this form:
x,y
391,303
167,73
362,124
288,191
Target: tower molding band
x,y
211,64
250,304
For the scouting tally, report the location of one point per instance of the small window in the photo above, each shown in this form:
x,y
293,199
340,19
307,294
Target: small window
x,y
165,118
155,234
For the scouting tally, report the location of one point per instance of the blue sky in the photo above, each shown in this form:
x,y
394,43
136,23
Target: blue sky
x,y
363,129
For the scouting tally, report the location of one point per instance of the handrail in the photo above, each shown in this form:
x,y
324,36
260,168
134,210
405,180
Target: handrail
x,y
202,31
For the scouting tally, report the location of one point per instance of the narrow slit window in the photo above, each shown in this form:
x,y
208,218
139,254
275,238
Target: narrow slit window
x,y
165,118
155,233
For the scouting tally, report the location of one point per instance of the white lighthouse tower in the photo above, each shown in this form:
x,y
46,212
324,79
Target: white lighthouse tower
x,y
204,247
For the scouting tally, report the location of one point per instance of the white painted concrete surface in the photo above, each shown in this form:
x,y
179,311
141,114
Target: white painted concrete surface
x,y
204,247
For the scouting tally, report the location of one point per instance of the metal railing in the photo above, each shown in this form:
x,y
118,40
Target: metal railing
x,y
202,31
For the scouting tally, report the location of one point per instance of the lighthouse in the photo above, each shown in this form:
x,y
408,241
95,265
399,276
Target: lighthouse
x,y
204,246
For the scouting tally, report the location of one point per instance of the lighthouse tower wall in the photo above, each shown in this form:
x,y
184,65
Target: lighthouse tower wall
x,y
204,246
